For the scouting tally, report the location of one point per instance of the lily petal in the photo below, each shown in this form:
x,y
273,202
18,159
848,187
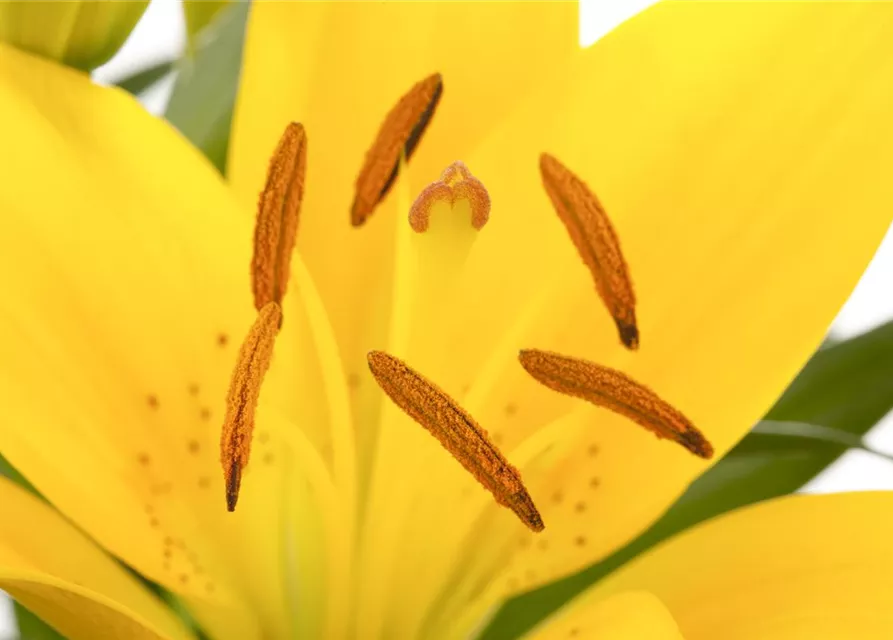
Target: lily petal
x,y
741,151
803,566
58,573
630,615
128,293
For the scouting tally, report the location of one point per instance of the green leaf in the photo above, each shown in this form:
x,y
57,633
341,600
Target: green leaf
x,y
844,390
204,95
12,473
33,628
848,385
199,15
142,80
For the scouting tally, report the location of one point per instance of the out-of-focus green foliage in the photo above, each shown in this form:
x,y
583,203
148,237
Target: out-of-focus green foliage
x,y
80,33
844,390
202,102
142,80
199,15
33,628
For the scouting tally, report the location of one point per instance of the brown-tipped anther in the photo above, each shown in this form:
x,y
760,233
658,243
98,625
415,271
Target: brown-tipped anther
x,y
241,400
399,135
629,334
457,432
278,210
233,483
456,183
596,241
615,391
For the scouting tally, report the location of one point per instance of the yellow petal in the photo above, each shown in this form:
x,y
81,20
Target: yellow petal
x,y
81,33
338,68
814,567
120,329
58,573
632,615
741,151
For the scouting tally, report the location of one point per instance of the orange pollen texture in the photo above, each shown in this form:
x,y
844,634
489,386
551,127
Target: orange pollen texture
x,y
278,210
457,432
400,134
456,183
597,243
241,400
613,390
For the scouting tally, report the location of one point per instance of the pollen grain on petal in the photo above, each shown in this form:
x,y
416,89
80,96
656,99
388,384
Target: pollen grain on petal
x,y
597,243
456,183
457,431
399,135
615,391
277,217
241,400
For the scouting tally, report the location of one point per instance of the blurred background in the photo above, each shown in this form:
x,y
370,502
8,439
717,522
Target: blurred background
x,y
160,38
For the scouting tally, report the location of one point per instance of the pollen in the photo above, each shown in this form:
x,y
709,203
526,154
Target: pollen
x,y
597,243
400,134
456,183
457,431
613,390
241,401
278,210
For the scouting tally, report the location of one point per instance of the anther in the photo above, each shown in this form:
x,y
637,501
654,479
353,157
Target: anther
x,y
457,432
615,391
400,134
241,401
596,241
276,228
456,183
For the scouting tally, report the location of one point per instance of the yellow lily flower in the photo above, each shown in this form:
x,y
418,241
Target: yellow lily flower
x,y
735,147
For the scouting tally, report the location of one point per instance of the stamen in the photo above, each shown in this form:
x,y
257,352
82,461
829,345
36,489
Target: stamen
x,y
400,133
456,183
596,241
457,432
613,390
241,401
277,217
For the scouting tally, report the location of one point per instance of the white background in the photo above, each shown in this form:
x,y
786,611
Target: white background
x,y
160,36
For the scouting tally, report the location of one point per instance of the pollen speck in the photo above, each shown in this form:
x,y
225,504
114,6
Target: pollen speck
x,y
222,339
143,459
193,389
152,401
205,413
194,446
